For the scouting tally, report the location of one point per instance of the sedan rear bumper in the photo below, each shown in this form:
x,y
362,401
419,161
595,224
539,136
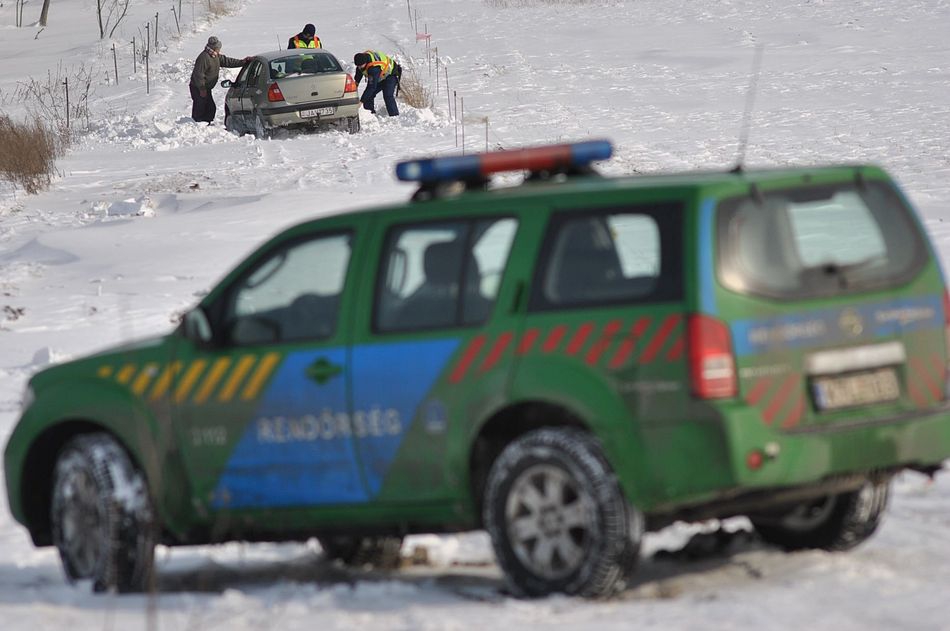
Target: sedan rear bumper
x,y
288,115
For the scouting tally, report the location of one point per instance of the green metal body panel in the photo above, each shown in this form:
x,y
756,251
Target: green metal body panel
x,y
378,430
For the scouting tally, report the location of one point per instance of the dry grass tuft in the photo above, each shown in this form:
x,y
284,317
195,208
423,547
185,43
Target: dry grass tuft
x,y
221,8
521,4
29,153
411,89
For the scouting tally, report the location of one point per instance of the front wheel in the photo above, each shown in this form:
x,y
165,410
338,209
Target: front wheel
x,y
835,522
557,517
101,515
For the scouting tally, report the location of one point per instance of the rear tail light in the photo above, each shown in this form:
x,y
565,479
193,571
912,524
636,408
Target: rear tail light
x,y
274,94
712,365
350,85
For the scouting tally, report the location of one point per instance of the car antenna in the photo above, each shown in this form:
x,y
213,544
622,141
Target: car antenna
x,y
749,103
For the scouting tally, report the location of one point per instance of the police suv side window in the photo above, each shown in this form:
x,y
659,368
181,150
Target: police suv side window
x,y
610,257
445,274
291,295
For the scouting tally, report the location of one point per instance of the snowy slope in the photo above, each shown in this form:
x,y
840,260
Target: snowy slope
x,y
150,209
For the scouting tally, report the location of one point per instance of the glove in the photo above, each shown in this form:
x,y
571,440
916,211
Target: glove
x,y
247,60
202,93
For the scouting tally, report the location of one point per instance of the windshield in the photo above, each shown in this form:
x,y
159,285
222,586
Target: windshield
x,y
814,241
311,63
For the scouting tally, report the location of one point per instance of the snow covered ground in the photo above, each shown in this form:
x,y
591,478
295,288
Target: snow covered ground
x,y
149,209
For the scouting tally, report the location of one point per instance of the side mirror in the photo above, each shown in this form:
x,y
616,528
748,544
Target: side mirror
x,y
196,326
227,83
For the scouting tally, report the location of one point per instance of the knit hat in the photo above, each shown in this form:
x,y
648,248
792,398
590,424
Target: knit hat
x,y
214,43
361,58
310,29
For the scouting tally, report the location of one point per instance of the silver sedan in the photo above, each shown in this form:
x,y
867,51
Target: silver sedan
x,y
304,87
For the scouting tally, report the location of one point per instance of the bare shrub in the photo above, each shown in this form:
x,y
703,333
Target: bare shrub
x,y
520,4
221,8
110,14
29,153
46,99
412,91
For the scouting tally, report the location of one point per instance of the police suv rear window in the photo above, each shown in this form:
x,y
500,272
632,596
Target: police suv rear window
x,y
818,241
612,256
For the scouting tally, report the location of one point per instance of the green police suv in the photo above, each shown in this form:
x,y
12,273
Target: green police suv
x,y
566,363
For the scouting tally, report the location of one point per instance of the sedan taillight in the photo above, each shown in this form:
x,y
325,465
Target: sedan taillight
x,y
350,85
274,94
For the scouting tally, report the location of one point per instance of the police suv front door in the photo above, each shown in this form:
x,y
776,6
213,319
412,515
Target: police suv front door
x,y
263,418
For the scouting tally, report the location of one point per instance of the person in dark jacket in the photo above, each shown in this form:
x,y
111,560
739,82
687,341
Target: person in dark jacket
x,y
382,75
306,38
205,76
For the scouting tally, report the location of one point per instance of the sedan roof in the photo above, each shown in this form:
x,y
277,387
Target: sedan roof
x,y
291,52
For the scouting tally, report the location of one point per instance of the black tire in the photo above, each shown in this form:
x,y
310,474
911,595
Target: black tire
x,y
259,128
353,124
381,553
579,535
835,523
102,515
231,123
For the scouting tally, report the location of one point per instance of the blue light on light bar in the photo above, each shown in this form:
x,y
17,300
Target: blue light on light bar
x,y
480,165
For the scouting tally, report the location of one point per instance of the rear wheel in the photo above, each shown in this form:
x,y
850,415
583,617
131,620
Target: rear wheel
x,y
260,129
557,517
379,552
353,124
835,522
101,515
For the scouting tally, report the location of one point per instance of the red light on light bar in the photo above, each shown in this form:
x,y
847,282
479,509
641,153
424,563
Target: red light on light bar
x,y
476,166
535,159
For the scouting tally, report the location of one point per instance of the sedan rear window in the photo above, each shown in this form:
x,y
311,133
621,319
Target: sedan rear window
x,y
315,63
818,241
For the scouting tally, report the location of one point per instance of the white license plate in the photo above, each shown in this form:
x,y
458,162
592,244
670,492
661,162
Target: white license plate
x,y
865,388
320,111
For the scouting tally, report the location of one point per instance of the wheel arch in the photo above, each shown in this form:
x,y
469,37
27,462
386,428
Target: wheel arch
x,y
39,464
504,426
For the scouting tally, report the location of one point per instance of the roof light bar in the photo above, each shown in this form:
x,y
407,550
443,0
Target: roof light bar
x,y
479,165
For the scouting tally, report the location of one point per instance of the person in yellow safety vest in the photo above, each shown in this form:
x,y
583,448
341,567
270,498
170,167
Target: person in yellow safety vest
x,y
305,39
382,75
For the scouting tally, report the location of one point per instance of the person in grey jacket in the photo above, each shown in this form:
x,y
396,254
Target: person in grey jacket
x,y
205,76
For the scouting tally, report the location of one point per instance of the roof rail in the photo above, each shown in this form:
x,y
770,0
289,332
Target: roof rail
x,y
439,175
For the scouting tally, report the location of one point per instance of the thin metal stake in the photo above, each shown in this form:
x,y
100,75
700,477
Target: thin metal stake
x,y
437,71
156,30
66,83
177,23
448,94
134,60
410,13
115,62
463,125
486,133
147,76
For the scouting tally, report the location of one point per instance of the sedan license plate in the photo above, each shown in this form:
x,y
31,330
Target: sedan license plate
x,y
320,111
865,388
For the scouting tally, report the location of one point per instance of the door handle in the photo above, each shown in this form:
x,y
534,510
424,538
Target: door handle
x,y
323,370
